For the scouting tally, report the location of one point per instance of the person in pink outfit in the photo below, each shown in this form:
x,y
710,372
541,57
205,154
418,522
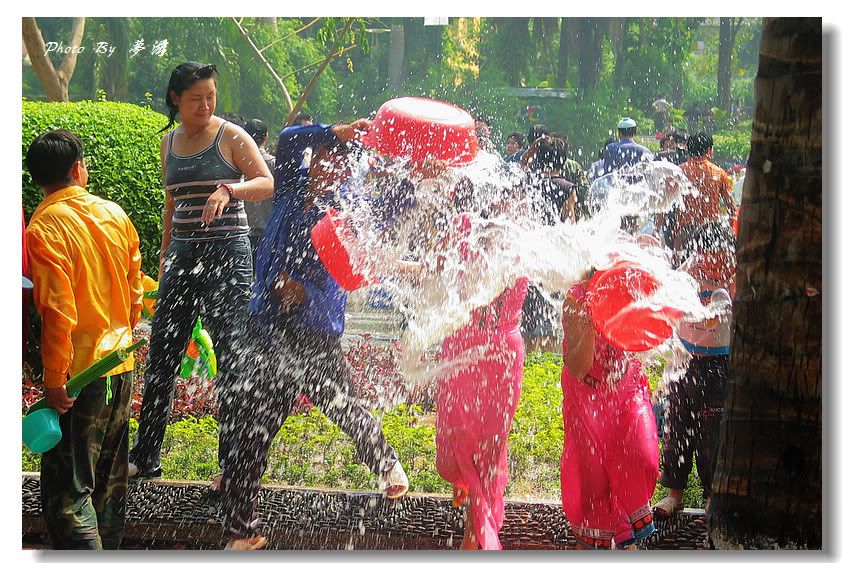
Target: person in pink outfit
x,y
609,465
476,403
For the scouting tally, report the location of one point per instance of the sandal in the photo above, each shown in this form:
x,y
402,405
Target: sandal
x,y
247,544
667,506
394,483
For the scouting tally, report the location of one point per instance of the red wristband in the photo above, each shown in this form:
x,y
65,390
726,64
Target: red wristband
x,y
229,189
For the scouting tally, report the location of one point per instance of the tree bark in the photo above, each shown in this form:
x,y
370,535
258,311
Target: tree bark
x,y
723,72
116,67
563,54
55,82
618,47
590,54
767,487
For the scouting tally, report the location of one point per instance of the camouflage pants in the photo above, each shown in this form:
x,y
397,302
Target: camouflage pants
x,y
84,478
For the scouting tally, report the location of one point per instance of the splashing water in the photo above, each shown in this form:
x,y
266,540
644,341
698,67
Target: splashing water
x,y
459,271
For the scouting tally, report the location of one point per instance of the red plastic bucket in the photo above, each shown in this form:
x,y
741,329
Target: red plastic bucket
x,y
332,253
613,293
417,128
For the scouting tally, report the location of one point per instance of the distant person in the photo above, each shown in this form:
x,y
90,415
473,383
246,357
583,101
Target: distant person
x,y
483,130
258,211
625,152
515,146
662,114
234,118
573,172
673,148
85,265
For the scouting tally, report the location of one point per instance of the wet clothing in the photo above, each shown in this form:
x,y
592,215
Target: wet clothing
x,y
85,262
476,403
296,351
211,278
190,180
693,413
713,184
287,362
208,271
573,172
610,460
624,152
84,478
274,252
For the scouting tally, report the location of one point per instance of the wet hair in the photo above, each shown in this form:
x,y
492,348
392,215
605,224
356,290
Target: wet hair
x,y
257,129
234,118
181,79
712,237
664,141
698,144
536,132
679,137
300,118
628,132
550,154
51,156
518,137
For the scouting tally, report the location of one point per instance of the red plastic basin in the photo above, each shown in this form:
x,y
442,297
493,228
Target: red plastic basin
x,y
417,128
332,253
612,297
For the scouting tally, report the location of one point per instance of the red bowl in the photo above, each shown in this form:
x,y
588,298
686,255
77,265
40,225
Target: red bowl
x,y
332,253
612,296
417,128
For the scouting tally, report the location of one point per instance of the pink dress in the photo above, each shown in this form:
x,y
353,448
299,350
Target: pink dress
x,y
476,404
609,465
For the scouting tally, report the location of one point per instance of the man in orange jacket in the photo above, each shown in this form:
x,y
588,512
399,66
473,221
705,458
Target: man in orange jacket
x,y
85,264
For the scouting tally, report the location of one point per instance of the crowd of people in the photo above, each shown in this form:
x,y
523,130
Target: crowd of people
x,y
236,249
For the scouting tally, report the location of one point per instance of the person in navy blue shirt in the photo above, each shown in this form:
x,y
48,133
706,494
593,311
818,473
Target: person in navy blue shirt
x,y
625,152
298,316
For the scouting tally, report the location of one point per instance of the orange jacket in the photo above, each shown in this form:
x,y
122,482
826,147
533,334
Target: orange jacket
x,y
84,258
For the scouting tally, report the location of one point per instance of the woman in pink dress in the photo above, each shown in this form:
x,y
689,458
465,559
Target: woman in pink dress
x,y
609,465
475,406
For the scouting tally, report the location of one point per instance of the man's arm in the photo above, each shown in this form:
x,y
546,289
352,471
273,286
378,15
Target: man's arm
x,y
50,267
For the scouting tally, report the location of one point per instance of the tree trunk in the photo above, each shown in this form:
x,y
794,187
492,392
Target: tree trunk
x,y
116,67
618,47
397,50
723,72
55,82
767,487
516,39
590,54
563,54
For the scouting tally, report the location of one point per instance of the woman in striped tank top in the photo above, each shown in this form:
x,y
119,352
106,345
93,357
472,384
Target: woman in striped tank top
x,y
209,167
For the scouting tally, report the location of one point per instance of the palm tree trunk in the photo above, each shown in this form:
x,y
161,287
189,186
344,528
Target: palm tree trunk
x,y
767,487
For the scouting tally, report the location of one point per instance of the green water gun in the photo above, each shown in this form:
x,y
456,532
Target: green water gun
x,y
199,356
94,372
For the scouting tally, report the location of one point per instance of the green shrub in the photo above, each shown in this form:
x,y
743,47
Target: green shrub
x,y
122,150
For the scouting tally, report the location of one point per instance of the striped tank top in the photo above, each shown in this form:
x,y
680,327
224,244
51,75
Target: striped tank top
x,y
190,181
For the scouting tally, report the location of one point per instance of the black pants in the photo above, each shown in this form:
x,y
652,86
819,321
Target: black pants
x,y
283,365
216,277
693,413
84,478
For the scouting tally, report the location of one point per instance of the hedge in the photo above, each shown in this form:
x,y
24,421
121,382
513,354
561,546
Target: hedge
x,y
123,154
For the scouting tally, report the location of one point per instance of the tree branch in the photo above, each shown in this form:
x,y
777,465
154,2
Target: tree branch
x,y
339,54
312,84
278,80
41,63
296,32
